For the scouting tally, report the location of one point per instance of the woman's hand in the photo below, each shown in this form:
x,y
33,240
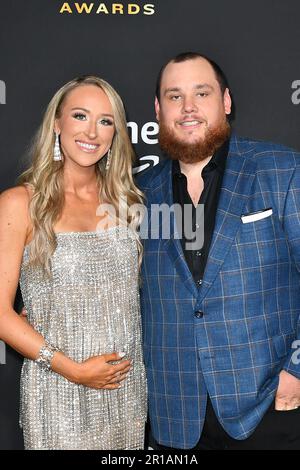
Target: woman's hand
x,y
97,372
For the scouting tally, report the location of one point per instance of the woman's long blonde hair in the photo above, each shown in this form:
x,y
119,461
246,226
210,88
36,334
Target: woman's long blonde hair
x,y
45,176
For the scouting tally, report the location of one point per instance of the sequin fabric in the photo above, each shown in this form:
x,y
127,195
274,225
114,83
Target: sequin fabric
x,y
88,307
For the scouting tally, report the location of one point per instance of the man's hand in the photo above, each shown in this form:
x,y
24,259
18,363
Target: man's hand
x,y
288,392
23,314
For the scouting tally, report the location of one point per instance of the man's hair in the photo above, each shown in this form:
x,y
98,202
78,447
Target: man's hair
x,y
183,57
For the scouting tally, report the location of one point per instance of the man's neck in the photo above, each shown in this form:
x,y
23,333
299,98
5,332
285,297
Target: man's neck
x,y
192,169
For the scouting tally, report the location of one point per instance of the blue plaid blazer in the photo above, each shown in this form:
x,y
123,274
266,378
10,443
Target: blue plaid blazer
x,y
250,297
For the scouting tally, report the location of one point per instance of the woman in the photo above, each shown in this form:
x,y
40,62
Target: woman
x,y
83,381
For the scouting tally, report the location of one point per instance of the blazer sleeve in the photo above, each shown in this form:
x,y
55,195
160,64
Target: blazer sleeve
x,y
291,224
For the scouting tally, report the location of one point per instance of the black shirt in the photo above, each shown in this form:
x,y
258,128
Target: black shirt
x,y
212,175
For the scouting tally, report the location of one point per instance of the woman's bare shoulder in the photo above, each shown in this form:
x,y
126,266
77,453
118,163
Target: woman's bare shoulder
x,y
14,202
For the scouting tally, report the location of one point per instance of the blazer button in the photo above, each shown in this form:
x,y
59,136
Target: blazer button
x,y
199,314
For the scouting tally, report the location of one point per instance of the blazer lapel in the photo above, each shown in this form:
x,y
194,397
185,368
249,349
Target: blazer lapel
x,y
238,178
162,193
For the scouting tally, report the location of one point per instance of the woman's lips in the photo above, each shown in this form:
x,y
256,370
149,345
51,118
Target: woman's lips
x,y
86,147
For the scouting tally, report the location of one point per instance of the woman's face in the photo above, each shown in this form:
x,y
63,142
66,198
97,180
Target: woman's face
x,y
86,125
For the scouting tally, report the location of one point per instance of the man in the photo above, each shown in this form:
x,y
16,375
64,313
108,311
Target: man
x,y
221,323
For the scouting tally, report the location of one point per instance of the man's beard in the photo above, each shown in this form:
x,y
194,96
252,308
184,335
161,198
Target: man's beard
x,y
193,152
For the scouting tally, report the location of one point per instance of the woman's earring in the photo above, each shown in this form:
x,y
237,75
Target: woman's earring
x,y
108,159
57,156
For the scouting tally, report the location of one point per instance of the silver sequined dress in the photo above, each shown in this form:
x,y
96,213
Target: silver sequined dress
x,y
88,307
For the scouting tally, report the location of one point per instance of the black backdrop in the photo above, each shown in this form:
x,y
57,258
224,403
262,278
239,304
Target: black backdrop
x,y
256,43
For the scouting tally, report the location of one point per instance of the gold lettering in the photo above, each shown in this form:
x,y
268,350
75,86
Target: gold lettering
x,y
102,9
84,7
66,8
117,8
133,9
149,9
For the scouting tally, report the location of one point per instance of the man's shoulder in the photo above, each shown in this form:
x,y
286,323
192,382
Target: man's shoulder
x,y
146,179
265,153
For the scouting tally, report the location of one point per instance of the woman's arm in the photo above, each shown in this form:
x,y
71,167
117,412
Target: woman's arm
x,y
96,372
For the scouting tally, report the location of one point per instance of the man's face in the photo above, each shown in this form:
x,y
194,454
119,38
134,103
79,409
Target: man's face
x,y
191,101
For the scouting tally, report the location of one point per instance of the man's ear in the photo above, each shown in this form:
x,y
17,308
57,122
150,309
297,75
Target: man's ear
x,y
157,108
227,101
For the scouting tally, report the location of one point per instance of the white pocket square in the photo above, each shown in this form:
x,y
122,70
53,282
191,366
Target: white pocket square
x,y
256,216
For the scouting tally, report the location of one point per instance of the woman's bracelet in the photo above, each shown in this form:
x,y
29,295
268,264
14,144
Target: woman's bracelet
x,y
46,355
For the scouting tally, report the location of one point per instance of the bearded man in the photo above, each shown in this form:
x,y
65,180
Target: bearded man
x,y
220,322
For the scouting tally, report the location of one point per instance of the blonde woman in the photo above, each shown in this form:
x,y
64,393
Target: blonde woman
x,y
83,381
